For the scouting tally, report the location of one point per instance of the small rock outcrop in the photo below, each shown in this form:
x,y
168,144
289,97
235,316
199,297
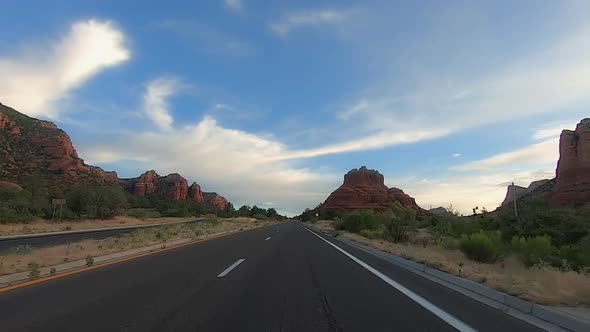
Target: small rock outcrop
x,y
7,184
365,189
216,201
195,193
572,185
438,211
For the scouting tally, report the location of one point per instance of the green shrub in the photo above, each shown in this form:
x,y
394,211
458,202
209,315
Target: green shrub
x,y
259,216
577,256
89,261
34,272
15,205
100,202
481,246
363,219
534,250
372,234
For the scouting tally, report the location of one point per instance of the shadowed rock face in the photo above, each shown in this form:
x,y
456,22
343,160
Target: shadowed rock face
x,y
365,189
216,201
573,169
196,194
30,147
516,192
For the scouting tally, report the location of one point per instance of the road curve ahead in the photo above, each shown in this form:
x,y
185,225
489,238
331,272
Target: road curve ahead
x,y
277,278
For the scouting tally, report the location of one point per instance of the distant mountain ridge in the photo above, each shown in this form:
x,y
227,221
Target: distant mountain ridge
x,y
32,148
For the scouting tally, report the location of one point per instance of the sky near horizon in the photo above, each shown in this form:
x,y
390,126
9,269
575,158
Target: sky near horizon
x,y
271,103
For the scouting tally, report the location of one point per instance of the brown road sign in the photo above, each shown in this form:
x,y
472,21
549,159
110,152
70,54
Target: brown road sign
x,y
58,201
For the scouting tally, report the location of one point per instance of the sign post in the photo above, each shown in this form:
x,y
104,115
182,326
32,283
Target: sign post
x,y
60,202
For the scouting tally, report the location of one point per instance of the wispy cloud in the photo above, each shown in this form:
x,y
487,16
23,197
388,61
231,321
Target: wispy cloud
x,y
539,83
233,4
310,18
155,101
33,81
456,155
544,152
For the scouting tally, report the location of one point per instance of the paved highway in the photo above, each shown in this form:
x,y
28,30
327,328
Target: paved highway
x,y
49,240
277,278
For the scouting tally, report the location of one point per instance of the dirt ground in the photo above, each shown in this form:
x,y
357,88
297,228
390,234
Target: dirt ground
x,y
545,286
43,226
19,260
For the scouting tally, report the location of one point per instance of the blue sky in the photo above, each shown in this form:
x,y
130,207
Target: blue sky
x,y
272,104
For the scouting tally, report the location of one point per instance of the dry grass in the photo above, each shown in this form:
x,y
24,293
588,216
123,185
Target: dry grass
x,y
13,262
43,226
544,286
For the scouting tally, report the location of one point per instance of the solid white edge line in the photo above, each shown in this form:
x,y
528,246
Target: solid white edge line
x,y
268,238
448,318
230,268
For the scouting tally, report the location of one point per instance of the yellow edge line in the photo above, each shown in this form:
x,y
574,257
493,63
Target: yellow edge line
x,y
122,260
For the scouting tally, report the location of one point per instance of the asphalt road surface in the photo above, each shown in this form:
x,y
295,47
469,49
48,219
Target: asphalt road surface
x,y
49,240
277,278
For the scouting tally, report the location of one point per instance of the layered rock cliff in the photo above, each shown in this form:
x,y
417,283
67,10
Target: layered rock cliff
x,y
31,147
172,186
516,192
366,189
572,185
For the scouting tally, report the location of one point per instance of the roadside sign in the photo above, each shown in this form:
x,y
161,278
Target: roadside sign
x,y
58,201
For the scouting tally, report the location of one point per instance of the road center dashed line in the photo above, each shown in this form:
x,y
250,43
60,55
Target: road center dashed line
x,y
230,268
448,318
268,238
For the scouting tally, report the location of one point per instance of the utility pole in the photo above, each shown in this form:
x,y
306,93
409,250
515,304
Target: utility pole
x,y
514,200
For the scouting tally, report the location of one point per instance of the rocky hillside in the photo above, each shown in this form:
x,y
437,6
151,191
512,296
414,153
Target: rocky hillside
x,y
572,185
36,149
516,192
365,189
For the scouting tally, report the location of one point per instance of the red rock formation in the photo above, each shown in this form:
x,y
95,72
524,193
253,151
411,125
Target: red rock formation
x,y
573,168
175,185
6,184
365,189
196,194
34,147
216,201
145,183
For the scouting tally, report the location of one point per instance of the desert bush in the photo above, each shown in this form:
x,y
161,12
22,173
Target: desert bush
x,y
89,261
34,271
22,249
481,246
372,234
533,250
577,256
15,205
363,219
100,202
259,216
401,220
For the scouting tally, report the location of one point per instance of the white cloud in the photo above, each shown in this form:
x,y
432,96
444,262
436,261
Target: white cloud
x,y
467,191
456,155
552,130
34,80
232,162
312,18
544,152
234,4
155,101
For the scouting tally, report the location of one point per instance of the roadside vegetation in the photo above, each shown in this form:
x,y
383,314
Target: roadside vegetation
x,y
542,251
106,202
